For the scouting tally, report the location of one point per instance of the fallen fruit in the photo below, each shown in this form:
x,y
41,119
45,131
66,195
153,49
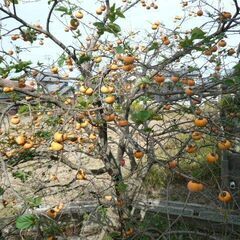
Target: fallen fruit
x,y
55,146
81,175
58,137
15,120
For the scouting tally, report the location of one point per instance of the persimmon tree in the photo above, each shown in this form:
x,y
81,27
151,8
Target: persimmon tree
x,y
168,98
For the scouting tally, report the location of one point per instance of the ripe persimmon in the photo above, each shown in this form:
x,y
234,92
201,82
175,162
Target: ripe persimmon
x,y
97,59
55,146
224,144
58,137
159,78
79,15
54,70
74,23
189,91
196,136
225,196
15,120
113,67
110,117
110,99
138,154
28,144
212,157
172,164
99,11
104,89
198,111
167,106
199,12
89,91
8,89
207,52
155,26
190,82
231,51
127,67
191,148
52,213
225,15
122,123
128,59
111,89
195,186
81,175
201,122
20,140
175,78
222,43
103,7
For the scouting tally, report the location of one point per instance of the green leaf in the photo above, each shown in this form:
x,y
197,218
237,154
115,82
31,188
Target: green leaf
x,y
1,191
142,116
112,8
34,202
113,28
192,69
23,109
81,78
119,13
197,33
22,157
186,43
43,134
26,221
145,80
119,49
29,34
84,58
148,129
112,16
102,211
229,82
108,237
21,66
157,117
236,69
237,79
40,64
122,187
115,235
100,26
61,60
23,176
14,1
155,45
4,72
64,10
114,13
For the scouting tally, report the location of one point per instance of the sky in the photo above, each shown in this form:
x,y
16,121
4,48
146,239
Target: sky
x,y
137,19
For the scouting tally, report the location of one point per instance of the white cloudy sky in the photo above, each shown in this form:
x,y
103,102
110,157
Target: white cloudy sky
x,y
137,19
